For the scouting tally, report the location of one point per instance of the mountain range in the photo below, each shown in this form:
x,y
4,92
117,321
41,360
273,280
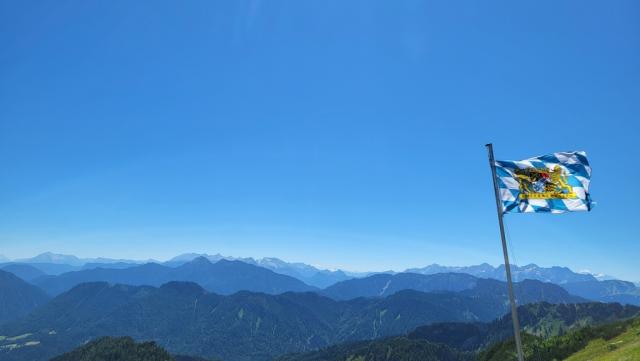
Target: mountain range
x,y
581,284
598,288
222,277
557,275
308,274
186,319
241,310
383,285
55,264
227,277
55,258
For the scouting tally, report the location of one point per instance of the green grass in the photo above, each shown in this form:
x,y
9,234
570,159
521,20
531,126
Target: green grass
x,y
624,347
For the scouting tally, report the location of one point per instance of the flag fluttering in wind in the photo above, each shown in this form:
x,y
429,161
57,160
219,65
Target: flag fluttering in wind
x,y
553,183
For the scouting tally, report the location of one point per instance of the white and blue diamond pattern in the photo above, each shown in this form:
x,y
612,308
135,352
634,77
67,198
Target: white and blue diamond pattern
x,y
521,193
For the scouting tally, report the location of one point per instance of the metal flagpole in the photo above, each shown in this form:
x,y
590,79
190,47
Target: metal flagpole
x,y
512,300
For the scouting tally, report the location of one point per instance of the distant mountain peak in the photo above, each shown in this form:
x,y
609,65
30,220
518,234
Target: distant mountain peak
x,y
555,274
598,276
531,265
189,257
55,258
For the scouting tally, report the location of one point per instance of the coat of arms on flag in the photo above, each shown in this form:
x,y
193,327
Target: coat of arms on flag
x,y
553,183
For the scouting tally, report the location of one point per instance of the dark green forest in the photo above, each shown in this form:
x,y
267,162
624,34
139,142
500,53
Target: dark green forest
x,y
117,349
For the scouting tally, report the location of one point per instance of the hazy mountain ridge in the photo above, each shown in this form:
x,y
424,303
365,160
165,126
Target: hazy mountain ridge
x,y
56,264
224,277
381,285
580,283
384,285
547,274
555,274
24,271
309,274
71,260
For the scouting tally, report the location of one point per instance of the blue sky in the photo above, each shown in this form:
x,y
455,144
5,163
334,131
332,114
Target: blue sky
x,y
342,134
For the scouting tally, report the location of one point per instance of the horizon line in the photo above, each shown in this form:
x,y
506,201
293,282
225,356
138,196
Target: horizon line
x,y
322,268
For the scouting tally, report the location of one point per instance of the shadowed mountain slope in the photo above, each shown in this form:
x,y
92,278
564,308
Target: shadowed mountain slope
x,y
17,297
24,271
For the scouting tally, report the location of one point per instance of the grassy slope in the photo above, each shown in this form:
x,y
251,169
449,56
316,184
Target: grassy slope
x,y
624,347
578,345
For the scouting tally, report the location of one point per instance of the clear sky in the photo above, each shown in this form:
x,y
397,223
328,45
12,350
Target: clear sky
x,y
339,133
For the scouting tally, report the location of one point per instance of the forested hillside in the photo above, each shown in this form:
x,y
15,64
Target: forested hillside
x,y
245,326
468,341
121,349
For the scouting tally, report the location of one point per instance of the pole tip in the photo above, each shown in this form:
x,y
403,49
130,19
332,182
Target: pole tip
x,y
488,145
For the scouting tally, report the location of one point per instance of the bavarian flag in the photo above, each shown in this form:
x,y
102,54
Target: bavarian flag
x,y
554,183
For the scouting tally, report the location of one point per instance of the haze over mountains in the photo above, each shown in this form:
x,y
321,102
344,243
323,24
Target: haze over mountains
x,y
55,264
257,310
222,277
307,272
62,272
558,275
304,272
